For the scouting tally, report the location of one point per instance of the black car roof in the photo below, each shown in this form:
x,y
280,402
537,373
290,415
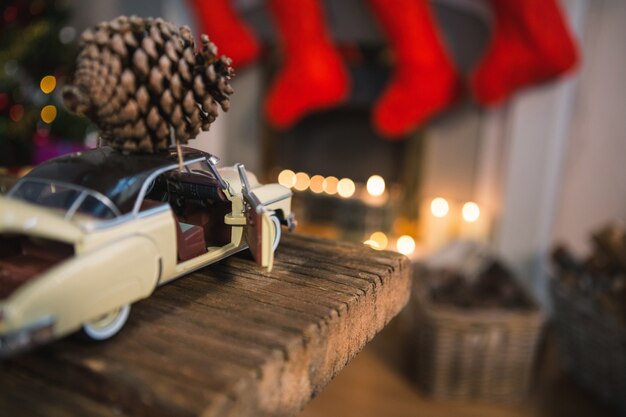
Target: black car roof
x,y
112,173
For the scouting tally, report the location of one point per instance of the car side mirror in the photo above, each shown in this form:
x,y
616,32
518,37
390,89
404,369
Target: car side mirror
x,y
246,190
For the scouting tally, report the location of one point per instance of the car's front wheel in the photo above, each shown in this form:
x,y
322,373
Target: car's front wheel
x,y
107,325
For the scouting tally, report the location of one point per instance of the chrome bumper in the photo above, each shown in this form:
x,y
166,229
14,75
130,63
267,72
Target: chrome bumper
x,y
32,335
291,222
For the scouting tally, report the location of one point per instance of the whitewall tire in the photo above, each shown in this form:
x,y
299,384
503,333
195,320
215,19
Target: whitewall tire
x,y
107,325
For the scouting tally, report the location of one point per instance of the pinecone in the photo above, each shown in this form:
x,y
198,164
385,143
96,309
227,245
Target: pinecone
x,y
139,79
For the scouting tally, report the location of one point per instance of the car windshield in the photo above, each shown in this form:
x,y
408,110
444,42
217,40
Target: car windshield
x,y
67,199
199,166
207,168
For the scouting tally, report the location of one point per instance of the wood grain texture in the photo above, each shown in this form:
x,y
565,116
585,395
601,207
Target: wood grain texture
x,y
228,340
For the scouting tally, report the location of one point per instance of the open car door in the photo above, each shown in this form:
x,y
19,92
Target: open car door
x,y
260,229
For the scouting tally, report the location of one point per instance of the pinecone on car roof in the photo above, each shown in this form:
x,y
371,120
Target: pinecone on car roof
x,y
142,81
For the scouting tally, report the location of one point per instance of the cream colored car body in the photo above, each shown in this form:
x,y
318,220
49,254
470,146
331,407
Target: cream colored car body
x,y
119,261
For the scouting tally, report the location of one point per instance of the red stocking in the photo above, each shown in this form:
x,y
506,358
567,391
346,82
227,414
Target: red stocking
x,y
231,35
531,43
313,76
424,80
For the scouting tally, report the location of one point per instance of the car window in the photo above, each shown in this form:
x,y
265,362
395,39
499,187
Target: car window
x,y
46,194
93,207
65,198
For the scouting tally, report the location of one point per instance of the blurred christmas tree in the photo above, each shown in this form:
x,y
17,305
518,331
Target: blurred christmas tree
x,y
37,51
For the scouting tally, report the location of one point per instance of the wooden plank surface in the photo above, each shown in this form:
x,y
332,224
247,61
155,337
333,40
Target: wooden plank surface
x,y
228,340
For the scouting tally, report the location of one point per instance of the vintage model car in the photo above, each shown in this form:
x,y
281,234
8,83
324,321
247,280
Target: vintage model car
x,y
84,236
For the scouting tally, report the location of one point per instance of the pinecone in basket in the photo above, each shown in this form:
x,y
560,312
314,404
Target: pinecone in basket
x,y
142,81
601,277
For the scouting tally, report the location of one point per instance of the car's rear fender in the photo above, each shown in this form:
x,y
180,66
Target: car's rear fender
x,y
18,217
89,285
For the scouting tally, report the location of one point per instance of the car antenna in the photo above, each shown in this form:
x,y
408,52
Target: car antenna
x,y
179,151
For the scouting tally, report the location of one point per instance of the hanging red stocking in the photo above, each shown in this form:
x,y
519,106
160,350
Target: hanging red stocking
x,y
219,20
531,43
313,76
424,81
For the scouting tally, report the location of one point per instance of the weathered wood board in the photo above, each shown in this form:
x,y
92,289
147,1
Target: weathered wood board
x,y
228,340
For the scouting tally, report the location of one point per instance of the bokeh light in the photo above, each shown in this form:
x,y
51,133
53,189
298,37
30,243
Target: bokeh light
x,y
10,13
439,207
372,244
11,67
330,185
67,34
48,84
317,184
16,112
4,101
346,187
381,240
405,245
287,178
49,113
471,212
302,181
375,185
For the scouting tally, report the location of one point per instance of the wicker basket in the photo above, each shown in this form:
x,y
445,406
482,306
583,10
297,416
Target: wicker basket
x,y
474,355
593,345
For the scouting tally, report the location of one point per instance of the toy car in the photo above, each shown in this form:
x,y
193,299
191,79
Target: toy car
x,y
84,236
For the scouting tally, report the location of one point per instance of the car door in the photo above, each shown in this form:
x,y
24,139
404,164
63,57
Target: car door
x,y
260,229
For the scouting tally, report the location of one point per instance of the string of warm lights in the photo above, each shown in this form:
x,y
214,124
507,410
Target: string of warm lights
x,y
47,86
405,244
346,188
440,208
318,184
446,221
375,187
440,212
